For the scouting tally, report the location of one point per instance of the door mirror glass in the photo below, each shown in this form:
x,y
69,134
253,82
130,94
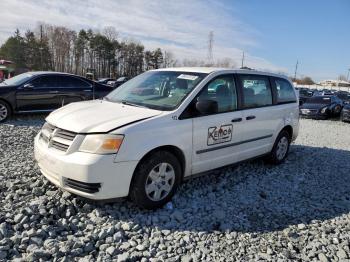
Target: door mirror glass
x,y
207,107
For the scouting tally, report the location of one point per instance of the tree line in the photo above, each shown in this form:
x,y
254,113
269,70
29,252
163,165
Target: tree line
x,y
61,49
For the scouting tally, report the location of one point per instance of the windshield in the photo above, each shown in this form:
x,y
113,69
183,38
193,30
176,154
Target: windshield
x,y
161,90
319,100
17,80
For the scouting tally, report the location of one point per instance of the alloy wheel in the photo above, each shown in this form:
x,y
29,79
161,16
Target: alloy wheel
x,y
3,112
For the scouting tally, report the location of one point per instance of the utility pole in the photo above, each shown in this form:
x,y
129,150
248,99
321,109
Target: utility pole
x,y
242,64
210,48
347,77
296,69
41,47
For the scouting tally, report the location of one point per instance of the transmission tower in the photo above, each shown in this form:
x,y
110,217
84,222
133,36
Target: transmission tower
x,y
210,48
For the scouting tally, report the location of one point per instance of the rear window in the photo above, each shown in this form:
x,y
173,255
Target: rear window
x,y
285,91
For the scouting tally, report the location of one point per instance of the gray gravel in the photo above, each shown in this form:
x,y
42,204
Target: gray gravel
x,y
299,210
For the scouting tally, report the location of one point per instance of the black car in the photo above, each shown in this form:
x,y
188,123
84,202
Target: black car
x,y
321,107
345,114
120,81
343,95
305,94
104,80
45,92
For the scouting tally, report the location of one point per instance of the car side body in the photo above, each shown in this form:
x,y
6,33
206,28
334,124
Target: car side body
x,y
244,129
47,91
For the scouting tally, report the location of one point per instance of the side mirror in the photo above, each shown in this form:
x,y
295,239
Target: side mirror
x,y
301,102
207,107
28,86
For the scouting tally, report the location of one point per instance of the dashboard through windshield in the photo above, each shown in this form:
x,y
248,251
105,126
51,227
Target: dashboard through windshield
x,y
160,90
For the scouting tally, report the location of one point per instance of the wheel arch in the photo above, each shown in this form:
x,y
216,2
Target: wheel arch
x,y
177,152
289,129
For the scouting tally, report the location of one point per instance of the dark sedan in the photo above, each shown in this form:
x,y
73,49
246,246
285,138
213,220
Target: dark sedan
x,y
321,107
45,92
345,114
104,80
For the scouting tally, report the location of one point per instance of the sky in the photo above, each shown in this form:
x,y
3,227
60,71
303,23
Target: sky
x,y
273,34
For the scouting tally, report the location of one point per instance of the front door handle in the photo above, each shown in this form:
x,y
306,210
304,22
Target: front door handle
x,y
53,92
250,117
239,119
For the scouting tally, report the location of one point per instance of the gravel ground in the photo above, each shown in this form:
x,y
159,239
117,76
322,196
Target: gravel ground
x,y
299,210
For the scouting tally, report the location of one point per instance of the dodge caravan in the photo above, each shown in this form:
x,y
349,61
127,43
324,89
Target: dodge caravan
x,y
164,126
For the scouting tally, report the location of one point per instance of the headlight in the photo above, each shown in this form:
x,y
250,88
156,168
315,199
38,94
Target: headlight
x,y
101,144
323,110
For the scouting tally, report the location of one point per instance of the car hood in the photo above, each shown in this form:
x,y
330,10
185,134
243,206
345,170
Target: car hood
x,y
97,116
313,106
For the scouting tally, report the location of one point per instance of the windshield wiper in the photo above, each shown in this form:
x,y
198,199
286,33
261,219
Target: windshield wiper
x,y
124,102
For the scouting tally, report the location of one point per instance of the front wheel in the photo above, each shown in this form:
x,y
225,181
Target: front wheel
x,y
280,149
155,180
337,110
5,111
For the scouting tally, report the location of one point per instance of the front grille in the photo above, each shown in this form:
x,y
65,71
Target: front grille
x,y
82,186
57,138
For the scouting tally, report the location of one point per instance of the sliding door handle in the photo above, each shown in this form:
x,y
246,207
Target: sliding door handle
x,y
250,117
236,120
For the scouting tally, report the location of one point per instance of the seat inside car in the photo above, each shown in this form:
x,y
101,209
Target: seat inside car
x,y
224,98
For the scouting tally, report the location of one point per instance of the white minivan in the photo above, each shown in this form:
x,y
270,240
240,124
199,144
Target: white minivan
x,y
163,126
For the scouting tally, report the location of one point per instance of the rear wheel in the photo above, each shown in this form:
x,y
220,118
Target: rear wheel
x,y
5,111
155,180
280,149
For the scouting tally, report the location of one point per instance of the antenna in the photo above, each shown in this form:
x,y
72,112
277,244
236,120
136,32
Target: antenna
x,y
210,48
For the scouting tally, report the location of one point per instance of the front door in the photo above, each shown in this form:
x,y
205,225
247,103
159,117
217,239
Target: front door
x,y
38,94
216,136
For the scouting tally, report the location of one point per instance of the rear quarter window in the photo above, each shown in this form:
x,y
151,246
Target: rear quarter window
x,y
285,91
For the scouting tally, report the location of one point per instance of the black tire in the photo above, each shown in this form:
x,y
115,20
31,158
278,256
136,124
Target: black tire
x,y
5,111
274,156
141,176
337,110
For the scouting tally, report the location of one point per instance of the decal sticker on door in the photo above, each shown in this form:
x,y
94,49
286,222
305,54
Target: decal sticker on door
x,y
218,135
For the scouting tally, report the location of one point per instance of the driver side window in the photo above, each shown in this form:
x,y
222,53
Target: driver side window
x,y
222,90
44,82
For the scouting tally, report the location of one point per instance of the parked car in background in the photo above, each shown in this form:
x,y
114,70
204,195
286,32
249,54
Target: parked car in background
x,y
120,81
345,114
321,107
304,94
104,80
45,92
343,95
166,125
